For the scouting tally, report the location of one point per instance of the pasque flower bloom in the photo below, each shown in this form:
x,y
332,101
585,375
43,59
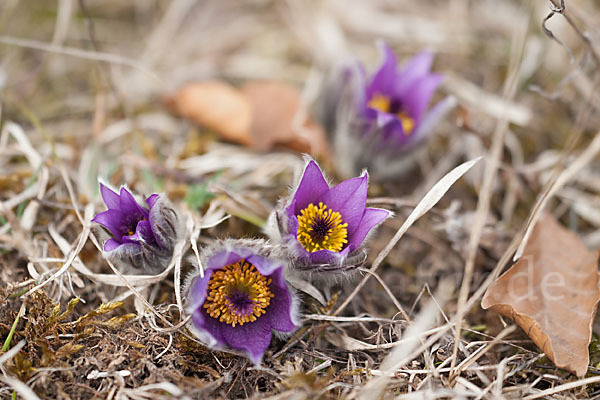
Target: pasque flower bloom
x,y
395,101
142,237
241,298
377,121
324,228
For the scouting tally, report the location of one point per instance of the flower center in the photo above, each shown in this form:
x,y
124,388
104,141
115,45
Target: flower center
x,y
388,105
130,224
321,229
237,294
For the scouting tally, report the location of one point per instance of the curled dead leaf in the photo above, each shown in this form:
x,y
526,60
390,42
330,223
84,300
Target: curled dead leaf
x,y
274,108
260,115
217,106
552,293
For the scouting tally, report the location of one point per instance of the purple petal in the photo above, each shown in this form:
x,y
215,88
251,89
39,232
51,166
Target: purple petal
x,y
151,200
349,199
320,256
371,218
111,199
144,232
263,265
226,257
253,338
135,238
417,67
128,204
292,220
420,93
152,217
207,325
381,118
312,186
279,309
126,251
384,79
197,293
111,244
390,131
328,256
432,118
395,135
359,80
280,306
113,220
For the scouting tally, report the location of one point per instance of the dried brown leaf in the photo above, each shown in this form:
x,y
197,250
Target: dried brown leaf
x,y
552,293
260,115
216,106
275,105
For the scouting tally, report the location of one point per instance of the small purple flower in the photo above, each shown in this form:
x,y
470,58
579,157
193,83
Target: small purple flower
x,y
395,100
241,298
377,121
142,237
324,227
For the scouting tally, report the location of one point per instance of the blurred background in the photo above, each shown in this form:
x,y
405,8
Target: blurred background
x,y
97,83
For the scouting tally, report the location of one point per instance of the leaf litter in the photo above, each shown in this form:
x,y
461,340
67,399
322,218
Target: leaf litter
x,y
73,326
552,293
260,114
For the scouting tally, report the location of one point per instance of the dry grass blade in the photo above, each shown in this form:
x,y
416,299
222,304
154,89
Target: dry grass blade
x,y
11,353
35,160
352,344
21,388
307,288
108,279
561,388
74,52
429,200
569,173
483,203
126,280
410,340
71,254
389,293
479,353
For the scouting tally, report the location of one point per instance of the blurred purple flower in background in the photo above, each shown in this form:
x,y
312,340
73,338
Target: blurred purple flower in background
x,y
241,298
324,228
142,237
396,101
376,123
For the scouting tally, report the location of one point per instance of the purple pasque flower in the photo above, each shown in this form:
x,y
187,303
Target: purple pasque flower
x,y
241,298
325,227
395,100
142,237
376,122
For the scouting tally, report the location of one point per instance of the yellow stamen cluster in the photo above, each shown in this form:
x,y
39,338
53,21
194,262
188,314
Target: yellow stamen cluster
x,y
228,284
131,232
380,102
408,124
383,103
320,228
